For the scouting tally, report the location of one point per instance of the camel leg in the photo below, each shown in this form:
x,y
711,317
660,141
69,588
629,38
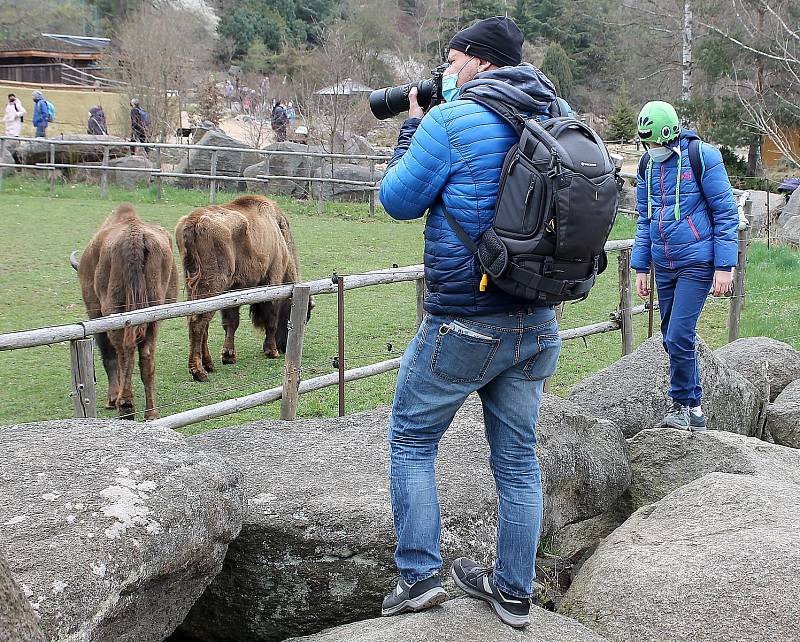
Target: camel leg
x,y
230,321
147,370
270,330
208,362
198,337
125,369
109,356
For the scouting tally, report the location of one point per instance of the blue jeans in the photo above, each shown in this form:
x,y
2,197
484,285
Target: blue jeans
x,y
505,358
682,294
41,131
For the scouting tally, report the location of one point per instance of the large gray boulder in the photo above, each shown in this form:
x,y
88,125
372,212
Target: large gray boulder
x,y
783,417
343,191
632,392
32,152
18,622
714,561
290,165
113,529
229,163
788,228
316,549
663,460
129,180
751,356
455,621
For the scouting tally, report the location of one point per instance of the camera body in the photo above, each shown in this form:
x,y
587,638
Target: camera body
x,y
392,101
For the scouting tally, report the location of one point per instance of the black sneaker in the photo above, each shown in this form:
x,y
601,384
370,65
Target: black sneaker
x,y
417,597
682,418
478,581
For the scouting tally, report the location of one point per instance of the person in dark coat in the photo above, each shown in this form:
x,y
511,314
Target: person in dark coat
x,y
97,122
280,121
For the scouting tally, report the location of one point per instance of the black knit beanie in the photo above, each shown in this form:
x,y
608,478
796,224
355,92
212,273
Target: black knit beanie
x,y
497,40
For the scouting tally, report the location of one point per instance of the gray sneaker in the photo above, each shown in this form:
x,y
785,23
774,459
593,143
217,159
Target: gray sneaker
x,y
421,595
478,581
682,418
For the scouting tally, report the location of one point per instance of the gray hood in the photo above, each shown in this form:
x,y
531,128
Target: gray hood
x,y
524,88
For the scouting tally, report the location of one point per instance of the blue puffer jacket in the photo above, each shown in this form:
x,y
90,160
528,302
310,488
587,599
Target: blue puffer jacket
x,y
455,154
40,114
703,230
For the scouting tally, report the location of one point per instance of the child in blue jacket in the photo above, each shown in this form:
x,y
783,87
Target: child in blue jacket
x,y
687,228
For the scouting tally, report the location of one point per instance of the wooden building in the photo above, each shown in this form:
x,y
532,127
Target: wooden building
x,y
53,59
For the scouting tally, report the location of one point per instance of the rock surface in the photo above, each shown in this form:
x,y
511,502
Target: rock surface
x,y
18,622
748,357
456,621
344,192
716,560
663,460
228,163
113,529
632,392
783,417
7,157
788,229
129,180
316,549
285,166
32,152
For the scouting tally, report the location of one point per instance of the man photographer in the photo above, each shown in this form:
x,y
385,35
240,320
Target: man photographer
x,y
472,339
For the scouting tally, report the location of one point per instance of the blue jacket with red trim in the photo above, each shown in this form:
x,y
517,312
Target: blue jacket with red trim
x,y
701,229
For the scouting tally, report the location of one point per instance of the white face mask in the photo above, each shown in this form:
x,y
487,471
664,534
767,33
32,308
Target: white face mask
x,y
660,154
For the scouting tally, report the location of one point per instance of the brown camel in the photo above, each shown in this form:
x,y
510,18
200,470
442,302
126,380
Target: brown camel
x,y
128,265
242,244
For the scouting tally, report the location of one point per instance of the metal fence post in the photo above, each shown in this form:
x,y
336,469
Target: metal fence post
x,y
2,155
308,175
84,391
212,196
372,189
625,303
159,180
737,300
267,172
104,174
52,169
294,351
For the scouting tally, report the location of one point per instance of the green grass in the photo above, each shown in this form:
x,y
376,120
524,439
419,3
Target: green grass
x,y
38,288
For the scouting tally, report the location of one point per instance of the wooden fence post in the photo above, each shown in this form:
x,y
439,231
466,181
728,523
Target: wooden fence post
x,y
52,169
294,351
212,195
737,300
267,172
84,391
104,174
159,181
308,175
625,303
420,283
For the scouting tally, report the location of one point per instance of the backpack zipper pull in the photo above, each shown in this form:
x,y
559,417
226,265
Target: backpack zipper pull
x,y
484,282
530,191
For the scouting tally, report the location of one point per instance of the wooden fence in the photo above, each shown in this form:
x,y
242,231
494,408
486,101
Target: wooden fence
x,y
81,345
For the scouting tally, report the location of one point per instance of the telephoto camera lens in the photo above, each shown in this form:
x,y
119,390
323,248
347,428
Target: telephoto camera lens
x,y
392,101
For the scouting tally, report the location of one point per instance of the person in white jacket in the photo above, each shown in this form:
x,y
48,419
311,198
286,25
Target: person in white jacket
x,y
13,116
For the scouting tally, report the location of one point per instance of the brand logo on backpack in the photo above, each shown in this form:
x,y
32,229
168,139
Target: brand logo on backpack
x,y
556,205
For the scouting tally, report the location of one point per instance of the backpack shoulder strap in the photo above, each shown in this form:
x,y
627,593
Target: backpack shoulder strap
x,y
510,115
696,161
461,233
555,109
643,161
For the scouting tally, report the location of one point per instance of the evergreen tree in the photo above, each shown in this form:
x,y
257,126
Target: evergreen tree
x,y
558,68
622,120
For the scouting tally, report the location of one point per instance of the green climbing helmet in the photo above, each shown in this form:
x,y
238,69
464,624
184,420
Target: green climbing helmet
x,y
658,123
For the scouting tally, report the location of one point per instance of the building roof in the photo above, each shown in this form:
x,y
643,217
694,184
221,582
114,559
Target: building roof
x,y
345,88
49,45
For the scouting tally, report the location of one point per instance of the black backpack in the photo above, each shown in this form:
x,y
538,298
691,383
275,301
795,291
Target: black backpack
x,y
556,205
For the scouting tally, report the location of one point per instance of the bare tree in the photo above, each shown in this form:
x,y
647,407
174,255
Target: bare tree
x,y
160,52
765,33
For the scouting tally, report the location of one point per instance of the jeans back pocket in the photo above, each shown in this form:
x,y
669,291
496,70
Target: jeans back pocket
x,y
543,364
462,355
